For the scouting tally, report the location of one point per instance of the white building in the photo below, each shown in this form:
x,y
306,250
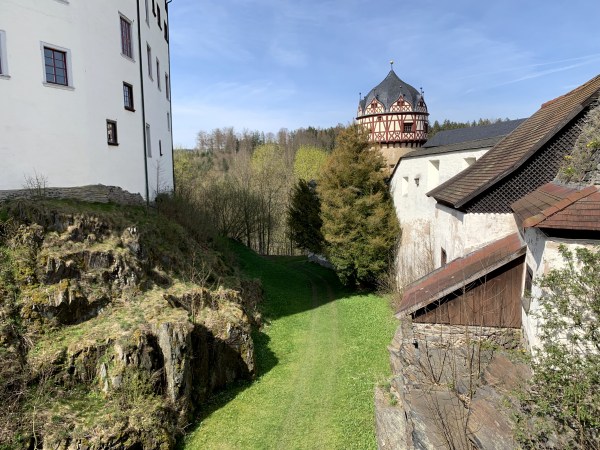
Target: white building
x,y
423,247
491,257
85,90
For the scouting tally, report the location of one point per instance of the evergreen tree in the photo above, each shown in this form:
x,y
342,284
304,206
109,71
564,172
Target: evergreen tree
x,y
359,223
303,218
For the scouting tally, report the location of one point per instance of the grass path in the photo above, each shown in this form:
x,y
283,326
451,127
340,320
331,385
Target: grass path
x,y
319,356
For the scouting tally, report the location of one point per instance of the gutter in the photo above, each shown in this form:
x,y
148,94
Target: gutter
x,y
170,90
143,103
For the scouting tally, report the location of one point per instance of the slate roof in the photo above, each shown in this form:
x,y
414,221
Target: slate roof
x,y
389,90
460,272
516,148
495,130
557,206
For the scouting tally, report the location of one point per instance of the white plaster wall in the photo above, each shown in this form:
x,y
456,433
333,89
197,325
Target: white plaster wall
x,y
427,227
542,257
60,132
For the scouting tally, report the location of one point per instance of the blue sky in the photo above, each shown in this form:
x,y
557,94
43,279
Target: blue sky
x,y
271,64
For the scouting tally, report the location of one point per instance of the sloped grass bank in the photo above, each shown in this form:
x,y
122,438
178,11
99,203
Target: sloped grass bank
x,y
319,356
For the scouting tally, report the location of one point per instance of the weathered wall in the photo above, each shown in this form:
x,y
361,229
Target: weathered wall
x,y
422,234
542,256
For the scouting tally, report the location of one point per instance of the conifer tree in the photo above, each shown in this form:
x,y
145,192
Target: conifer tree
x,y
359,223
304,219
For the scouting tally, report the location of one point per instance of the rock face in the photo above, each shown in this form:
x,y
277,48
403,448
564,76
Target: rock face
x,y
450,388
112,333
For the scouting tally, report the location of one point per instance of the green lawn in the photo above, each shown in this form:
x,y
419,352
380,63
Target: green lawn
x,y
319,356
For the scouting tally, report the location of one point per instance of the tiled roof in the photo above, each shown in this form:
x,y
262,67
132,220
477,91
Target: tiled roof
x,y
459,146
389,90
516,148
561,207
460,272
448,137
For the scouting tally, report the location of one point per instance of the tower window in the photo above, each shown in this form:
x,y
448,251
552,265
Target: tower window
x,y
408,127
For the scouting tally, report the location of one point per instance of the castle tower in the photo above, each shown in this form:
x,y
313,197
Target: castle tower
x,y
395,113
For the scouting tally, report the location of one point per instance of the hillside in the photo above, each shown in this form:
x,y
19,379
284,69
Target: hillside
x,y
115,325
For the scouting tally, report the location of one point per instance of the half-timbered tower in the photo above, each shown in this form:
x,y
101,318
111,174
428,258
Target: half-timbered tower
x,y
395,113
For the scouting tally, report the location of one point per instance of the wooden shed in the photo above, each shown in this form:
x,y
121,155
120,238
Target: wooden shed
x,y
483,288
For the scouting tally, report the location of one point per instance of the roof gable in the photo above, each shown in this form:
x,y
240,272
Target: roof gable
x,y
561,207
517,148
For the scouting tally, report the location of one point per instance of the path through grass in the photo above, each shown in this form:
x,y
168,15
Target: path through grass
x,y
319,357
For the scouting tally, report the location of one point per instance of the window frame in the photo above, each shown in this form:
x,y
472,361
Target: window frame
x,y
158,74
4,73
149,57
68,68
167,87
114,140
127,52
148,136
168,121
129,88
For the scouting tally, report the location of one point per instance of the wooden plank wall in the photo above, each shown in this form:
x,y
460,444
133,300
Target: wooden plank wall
x,y
493,301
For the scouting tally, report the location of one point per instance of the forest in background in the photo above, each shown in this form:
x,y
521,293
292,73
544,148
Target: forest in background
x,y
241,181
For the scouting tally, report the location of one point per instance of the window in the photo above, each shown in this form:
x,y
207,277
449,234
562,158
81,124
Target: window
x,y
408,127
158,17
433,173
404,186
158,73
147,13
3,63
126,44
128,96
111,132
149,55
166,33
526,298
148,142
153,8
443,257
167,87
168,122
55,62
160,147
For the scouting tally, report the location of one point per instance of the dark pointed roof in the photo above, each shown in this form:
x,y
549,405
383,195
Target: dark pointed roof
x,y
389,90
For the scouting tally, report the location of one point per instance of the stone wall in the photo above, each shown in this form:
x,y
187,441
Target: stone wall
x,y
450,388
96,193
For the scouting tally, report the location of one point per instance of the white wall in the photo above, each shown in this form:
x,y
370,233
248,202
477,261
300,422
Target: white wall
x,y
542,256
428,227
60,132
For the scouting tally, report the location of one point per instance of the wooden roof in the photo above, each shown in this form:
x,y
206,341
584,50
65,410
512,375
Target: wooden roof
x,y
515,149
459,273
556,206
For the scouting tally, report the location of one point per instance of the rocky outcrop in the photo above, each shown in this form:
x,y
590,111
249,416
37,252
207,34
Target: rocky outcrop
x,y
450,389
112,329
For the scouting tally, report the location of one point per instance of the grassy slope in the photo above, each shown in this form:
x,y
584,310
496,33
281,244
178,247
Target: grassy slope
x,y
318,360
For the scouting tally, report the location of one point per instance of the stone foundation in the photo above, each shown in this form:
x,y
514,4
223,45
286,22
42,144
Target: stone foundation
x,y
96,193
